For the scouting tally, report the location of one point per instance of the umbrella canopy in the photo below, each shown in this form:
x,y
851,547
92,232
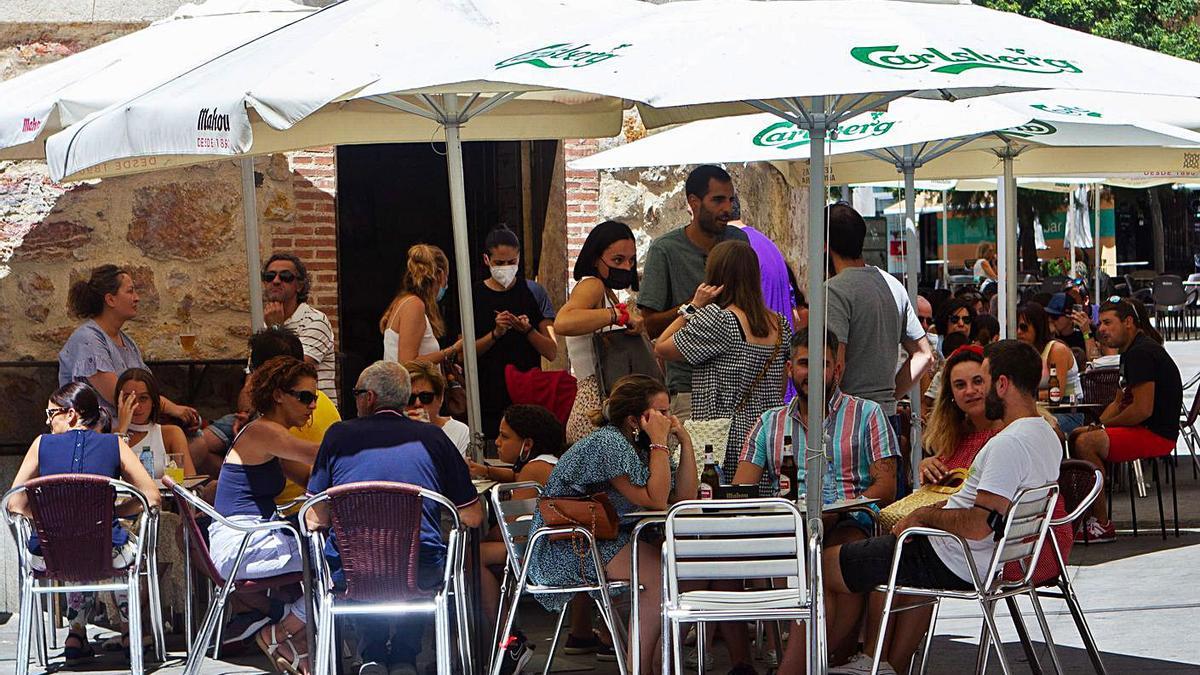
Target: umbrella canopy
x,y
43,101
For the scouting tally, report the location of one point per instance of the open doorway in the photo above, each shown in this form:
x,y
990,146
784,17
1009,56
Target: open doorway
x,y
391,196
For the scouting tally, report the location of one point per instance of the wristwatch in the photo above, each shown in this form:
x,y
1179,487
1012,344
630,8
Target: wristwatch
x,y
687,310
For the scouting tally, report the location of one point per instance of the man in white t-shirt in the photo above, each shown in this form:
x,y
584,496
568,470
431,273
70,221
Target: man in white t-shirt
x,y
1025,454
286,285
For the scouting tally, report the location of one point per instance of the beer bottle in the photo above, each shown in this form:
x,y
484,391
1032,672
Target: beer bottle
x,y
1055,387
788,487
710,478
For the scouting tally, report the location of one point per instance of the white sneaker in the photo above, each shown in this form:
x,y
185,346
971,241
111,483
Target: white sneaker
x,y
770,658
861,665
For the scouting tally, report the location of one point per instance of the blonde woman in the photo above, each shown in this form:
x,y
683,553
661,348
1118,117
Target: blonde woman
x,y
413,322
985,262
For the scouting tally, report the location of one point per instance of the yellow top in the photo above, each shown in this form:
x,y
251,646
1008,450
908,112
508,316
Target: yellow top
x,y
323,417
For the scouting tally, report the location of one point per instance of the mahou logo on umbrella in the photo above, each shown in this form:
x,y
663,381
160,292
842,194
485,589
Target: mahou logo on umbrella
x,y
961,60
211,120
562,55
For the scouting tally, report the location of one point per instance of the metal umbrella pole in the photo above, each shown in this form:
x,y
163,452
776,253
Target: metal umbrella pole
x,y
945,239
1096,290
912,269
1006,242
253,260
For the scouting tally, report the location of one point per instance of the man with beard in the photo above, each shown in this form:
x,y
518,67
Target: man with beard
x,y
1143,419
674,268
1025,454
286,285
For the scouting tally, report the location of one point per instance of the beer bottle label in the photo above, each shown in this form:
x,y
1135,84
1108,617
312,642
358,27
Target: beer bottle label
x,y
706,491
785,485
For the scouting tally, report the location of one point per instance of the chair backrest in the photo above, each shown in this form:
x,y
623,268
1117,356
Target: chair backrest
x,y
189,504
515,518
377,528
73,518
1025,529
1194,411
1053,285
1168,290
735,539
1079,483
1194,277
1100,385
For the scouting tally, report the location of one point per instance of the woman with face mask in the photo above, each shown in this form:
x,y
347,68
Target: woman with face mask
x,y
605,268
413,323
513,323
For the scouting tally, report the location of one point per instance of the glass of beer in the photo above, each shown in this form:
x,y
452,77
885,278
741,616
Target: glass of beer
x,y
187,340
175,467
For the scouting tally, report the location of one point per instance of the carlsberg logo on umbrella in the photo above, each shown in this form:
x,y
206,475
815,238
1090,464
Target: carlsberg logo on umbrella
x,y
962,60
785,135
562,55
1031,128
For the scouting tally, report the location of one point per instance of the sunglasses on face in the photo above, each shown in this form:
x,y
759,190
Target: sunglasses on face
x,y
51,413
305,397
925,320
286,276
359,392
1022,326
965,320
425,397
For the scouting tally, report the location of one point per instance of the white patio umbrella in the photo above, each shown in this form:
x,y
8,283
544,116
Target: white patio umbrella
x,y
939,50
43,101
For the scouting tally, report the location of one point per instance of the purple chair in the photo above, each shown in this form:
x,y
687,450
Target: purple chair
x,y
189,505
73,515
377,526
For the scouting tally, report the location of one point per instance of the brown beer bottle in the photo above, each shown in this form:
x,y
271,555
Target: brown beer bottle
x,y
1055,387
788,486
710,478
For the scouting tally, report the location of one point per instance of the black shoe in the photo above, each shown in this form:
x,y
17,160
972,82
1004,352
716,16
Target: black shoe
x,y
517,652
243,625
586,645
606,653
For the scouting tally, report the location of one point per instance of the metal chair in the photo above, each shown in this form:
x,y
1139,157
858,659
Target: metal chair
x,y
514,517
736,539
1100,385
195,540
519,543
73,515
1173,304
377,527
1025,530
1187,429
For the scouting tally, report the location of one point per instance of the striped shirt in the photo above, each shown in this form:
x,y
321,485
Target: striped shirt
x,y
858,428
316,336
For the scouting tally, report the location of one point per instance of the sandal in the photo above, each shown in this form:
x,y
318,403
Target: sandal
x,y
296,666
77,655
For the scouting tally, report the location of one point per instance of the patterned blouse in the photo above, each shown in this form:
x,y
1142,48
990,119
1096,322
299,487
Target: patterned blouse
x,y
724,368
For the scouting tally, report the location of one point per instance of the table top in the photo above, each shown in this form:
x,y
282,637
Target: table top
x,y
1073,407
482,486
836,507
189,483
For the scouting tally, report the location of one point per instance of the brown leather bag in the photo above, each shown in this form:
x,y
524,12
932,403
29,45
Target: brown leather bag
x,y
594,513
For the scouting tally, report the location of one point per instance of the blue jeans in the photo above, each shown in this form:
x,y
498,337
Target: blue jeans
x,y
1068,422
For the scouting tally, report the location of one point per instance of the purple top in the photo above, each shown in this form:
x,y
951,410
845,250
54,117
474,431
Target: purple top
x,y
776,287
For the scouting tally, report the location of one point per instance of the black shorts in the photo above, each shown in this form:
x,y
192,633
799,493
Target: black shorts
x,y
868,563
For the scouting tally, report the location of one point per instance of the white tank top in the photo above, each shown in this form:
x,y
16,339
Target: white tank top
x,y
1071,385
391,341
152,452
581,351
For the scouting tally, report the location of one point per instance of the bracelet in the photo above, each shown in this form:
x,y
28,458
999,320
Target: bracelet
x,y
1087,336
613,312
623,314
659,446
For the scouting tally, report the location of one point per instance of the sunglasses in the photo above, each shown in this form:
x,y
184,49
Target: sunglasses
x,y
305,397
425,397
1022,326
965,320
51,413
359,392
926,320
286,276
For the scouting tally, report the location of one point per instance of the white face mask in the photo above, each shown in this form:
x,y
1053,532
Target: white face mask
x,y
504,274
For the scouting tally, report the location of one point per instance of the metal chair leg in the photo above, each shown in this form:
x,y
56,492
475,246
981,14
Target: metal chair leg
x,y
1023,635
1162,517
937,606
985,643
1174,496
558,626
1085,632
39,633
25,624
1133,483
989,619
1041,617
442,621
701,647
604,602
136,655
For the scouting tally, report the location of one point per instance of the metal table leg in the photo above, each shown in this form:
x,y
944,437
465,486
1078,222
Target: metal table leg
x,y
634,588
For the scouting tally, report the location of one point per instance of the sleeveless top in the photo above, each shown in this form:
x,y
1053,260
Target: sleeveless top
x,y
249,489
581,350
1070,381
80,451
152,452
391,340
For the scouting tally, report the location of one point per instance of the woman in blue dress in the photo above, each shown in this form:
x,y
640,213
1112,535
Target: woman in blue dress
x,y
627,458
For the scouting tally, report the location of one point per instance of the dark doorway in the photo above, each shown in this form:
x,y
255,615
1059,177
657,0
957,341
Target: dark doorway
x,y
391,196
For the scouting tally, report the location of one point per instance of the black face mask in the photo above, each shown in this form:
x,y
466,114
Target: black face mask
x,y
619,279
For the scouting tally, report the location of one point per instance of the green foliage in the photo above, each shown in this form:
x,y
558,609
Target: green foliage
x,y
1167,26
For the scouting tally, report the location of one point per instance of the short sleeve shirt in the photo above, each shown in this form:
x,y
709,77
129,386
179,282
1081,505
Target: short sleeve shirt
x,y
90,350
543,299
316,336
388,446
1026,454
860,432
1147,361
870,314
674,268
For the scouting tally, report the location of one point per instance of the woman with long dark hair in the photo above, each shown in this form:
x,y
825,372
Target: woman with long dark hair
x,y
513,323
78,442
606,266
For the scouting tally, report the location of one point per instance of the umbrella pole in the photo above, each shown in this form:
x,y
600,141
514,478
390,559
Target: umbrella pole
x,y
1096,242
945,240
814,459
462,265
912,267
253,261
1006,216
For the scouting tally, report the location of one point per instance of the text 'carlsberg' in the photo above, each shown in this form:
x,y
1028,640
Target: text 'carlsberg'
x,y
211,120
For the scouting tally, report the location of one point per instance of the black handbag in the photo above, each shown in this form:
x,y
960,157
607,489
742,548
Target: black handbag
x,y
619,353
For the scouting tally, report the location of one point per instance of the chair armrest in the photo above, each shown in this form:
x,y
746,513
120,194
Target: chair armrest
x,y
282,509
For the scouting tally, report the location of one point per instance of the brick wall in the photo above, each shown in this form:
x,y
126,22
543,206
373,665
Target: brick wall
x,y
583,198
313,234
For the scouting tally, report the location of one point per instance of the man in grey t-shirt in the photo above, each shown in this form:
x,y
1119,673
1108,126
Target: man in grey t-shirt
x,y
870,313
674,267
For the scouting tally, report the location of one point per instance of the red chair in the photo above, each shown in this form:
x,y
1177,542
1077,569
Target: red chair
x,y
73,515
377,526
554,390
198,553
